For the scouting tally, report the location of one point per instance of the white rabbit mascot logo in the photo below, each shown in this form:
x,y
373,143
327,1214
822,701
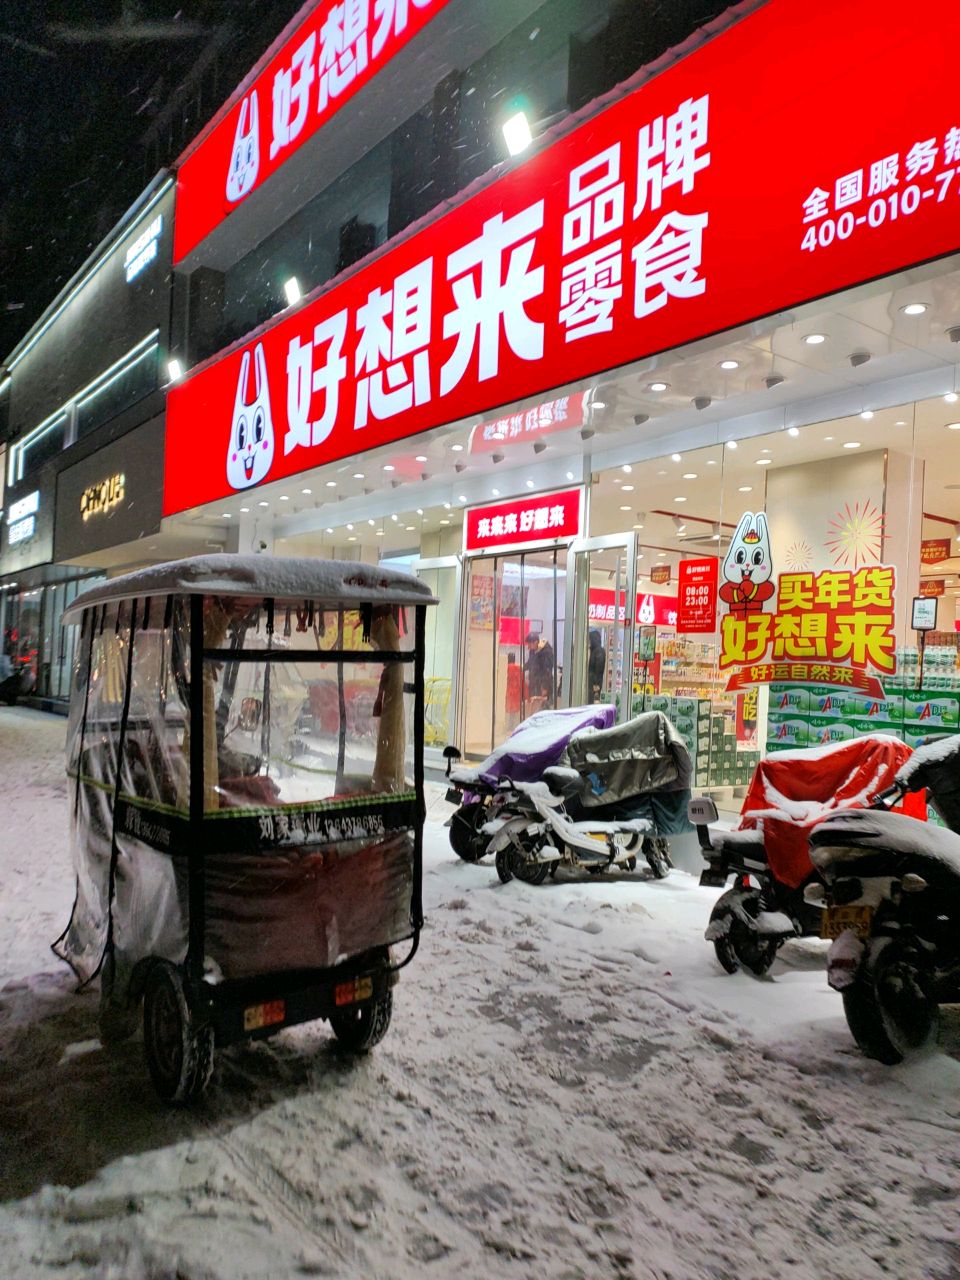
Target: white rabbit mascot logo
x,y
245,158
250,452
748,567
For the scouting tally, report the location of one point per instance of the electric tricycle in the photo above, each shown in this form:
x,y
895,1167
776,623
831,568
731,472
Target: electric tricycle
x,y
246,802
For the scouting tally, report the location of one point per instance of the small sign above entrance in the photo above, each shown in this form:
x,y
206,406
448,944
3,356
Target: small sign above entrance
x,y
540,518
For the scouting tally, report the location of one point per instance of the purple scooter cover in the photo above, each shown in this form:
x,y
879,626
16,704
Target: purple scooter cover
x,y
540,741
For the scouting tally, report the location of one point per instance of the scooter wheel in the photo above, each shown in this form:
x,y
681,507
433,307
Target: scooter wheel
x,y
890,1006
504,865
466,840
179,1051
657,854
741,947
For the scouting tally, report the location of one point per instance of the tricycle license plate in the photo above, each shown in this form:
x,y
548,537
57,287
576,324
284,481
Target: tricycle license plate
x,y
837,919
713,878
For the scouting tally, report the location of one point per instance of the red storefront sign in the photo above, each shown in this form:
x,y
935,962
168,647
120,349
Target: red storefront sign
x,y
660,574
647,227
322,63
697,596
932,586
517,428
933,550
652,610
538,519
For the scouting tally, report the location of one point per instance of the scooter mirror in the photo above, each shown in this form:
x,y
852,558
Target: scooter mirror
x,y
701,810
450,753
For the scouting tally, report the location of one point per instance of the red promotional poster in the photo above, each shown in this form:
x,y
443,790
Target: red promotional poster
x,y
652,610
933,550
537,519
697,596
932,586
660,574
320,65
645,228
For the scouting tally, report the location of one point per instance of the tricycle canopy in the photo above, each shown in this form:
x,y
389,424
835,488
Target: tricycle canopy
x,y
265,817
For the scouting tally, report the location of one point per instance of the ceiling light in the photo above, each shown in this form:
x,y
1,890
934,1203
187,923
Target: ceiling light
x,y
711,462
624,508
793,431
371,523
851,444
951,397
284,498
389,467
764,462
681,498
419,511
444,521
227,515
352,538
395,518
729,364
306,491
627,488
446,506
529,484
675,457
329,531
421,457
914,309
658,386
639,526
262,503
495,492
899,423
174,370
292,290
599,404
626,468
689,475
746,488
409,528
349,526
570,475
516,133
462,497
331,484
866,415
814,339
457,448
661,555
827,439
731,444
953,426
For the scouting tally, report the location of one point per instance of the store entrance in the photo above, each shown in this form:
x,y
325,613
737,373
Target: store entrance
x,y
602,639
513,644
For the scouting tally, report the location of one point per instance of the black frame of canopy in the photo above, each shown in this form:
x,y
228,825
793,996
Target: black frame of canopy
x,y
307,993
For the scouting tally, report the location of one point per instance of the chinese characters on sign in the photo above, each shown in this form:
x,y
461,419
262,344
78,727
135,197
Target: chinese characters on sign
x,y
98,499
697,596
932,586
933,550
660,574
832,627
333,52
552,415
660,611
539,519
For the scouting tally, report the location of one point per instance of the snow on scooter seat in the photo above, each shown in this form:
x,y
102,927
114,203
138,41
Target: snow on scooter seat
x,y
862,832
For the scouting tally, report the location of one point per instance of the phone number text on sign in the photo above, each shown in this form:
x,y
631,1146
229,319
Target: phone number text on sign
x,y
834,215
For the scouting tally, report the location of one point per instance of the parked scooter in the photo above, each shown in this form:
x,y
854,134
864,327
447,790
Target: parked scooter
x,y
618,794
534,745
892,906
768,856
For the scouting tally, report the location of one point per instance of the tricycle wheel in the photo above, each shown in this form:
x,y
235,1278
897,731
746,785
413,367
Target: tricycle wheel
x,y
466,839
361,1027
116,1020
657,853
741,946
890,1006
179,1051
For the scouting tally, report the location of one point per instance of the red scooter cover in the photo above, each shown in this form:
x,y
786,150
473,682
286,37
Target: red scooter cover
x,y
794,790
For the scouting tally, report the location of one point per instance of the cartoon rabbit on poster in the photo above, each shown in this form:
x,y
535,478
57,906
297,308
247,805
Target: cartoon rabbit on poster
x,y
748,567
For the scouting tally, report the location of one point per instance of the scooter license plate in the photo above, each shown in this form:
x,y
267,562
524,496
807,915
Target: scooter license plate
x,y
837,920
713,878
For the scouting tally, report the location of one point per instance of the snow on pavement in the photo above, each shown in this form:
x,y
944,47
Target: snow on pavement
x,y
570,1088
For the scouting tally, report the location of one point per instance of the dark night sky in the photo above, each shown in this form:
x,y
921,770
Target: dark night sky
x,y
81,82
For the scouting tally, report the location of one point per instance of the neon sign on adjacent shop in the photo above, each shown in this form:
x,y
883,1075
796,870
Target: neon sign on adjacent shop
x,y
325,60
681,210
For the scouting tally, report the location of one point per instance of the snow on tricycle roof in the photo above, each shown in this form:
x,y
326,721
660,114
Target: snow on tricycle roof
x,y
330,583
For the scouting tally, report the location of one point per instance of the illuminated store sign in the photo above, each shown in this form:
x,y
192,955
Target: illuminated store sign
x,y
99,499
144,249
645,228
538,519
333,52
22,519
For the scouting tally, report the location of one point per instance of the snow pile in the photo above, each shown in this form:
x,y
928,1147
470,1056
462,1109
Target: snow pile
x,y
571,1089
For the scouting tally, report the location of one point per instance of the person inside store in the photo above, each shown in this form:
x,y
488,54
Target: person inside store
x,y
540,671
515,693
596,666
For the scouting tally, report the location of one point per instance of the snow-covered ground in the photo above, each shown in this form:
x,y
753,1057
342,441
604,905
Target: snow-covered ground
x,y
571,1088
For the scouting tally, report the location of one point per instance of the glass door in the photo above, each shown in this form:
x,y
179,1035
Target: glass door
x,y
442,576
601,600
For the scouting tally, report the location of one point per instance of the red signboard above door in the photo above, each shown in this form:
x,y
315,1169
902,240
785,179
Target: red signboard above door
x,y
325,58
540,518
689,206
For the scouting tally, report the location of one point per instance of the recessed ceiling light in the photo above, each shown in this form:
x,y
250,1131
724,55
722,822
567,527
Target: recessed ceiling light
x,y
711,462
661,473
388,466
764,462
461,497
410,528
914,309
569,475
731,444
529,484
866,415
793,431
284,498
951,397
371,523
446,506
953,426
307,491
457,448
421,457
227,515
358,475
661,555
329,531
851,444
729,364
900,423
331,484
676,457
689,475
379,533
658,386
746,488
263,503
395,518
639,526
627,488
814,339
766,451
681,498
626,468
827,439
624,508
419,511
349,526
444,521
352,538
245,510
495,492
